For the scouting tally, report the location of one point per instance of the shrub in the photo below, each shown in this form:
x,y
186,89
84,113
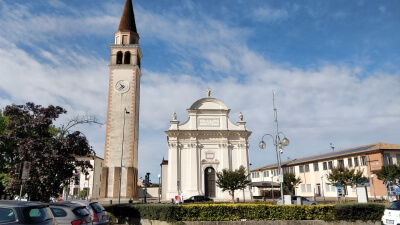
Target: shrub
x,y
356,211
222,212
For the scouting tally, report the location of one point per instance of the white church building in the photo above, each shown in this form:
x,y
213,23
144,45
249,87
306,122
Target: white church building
x,y
205,144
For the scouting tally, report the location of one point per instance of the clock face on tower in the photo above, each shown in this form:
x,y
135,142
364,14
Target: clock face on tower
x,y
122,86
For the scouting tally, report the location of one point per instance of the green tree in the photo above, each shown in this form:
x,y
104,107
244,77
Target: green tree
x,y
345,177
30,136
83,194
290,182
389,173
233,180
5,153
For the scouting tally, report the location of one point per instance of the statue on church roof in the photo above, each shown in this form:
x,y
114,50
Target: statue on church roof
x,y
241,116
208,93
174,117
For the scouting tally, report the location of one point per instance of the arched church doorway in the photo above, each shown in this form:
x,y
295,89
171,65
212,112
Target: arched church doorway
x,y
209,182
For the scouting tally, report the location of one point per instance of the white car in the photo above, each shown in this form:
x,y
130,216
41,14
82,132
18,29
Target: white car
x,y
304,201
392,213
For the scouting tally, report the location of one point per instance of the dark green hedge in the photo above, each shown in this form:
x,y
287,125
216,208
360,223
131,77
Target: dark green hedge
x,y
355,211
234,212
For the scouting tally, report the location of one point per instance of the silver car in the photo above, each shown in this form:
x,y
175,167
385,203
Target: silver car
x,y
98,213
67,213
25,212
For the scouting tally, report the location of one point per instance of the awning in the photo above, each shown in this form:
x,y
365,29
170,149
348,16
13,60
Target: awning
x,y
265,184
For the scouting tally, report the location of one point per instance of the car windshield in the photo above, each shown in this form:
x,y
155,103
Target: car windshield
x,y
37,214
394,206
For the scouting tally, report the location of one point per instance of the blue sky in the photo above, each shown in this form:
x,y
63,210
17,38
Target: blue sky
x,y
334,65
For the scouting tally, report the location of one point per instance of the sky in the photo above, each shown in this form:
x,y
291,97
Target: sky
x,y
334,67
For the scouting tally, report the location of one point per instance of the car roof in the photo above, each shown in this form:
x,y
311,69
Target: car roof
x,y
21,203
82,202
66,204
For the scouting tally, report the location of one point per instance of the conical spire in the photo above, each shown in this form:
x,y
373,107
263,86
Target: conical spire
x,y
128,18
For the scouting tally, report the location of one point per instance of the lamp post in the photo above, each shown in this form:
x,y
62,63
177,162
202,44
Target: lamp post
x,y
122,154
279,143
159,188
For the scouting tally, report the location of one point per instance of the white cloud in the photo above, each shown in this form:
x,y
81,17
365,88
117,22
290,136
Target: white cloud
x,y
268,14
328,103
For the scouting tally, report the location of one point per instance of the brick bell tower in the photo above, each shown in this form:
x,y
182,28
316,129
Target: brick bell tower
x,y
120,169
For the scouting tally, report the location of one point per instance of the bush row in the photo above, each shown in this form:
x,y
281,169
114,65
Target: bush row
x,y
234,212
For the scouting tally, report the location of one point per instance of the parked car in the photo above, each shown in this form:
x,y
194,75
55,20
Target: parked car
x,y
25,212
304,201
98,213
197,198
67,213
392,213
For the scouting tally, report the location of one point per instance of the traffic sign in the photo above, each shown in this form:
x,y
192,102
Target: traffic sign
x,y
339,192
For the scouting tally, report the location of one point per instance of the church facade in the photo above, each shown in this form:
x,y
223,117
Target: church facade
x,y
205,144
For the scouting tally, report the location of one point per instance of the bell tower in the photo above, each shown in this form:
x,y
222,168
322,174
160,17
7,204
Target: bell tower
x,y
120,169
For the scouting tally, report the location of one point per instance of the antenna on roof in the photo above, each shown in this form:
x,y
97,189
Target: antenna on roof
x,y
332,147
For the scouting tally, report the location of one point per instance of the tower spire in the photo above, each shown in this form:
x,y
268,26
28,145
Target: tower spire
x,y
127,22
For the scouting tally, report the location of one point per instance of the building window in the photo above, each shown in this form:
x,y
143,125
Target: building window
x,y
349,162
356,161
127,58
387,160
307,168
291,169
316,168
255,175
363,161
301,169
398,158
308,187
341,163
303,187
325,165
330,165
119,57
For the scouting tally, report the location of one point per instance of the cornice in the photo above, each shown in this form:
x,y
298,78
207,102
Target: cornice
x,y
124,46
123,66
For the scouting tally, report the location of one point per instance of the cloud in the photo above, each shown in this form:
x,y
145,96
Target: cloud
x,y
327,102
268,14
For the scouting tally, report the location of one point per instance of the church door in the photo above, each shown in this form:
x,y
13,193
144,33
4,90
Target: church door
x,y
209,180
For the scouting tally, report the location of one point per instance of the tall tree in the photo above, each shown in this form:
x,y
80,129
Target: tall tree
x,y
290,182
345,177
390,173
4,155
233,180
30,134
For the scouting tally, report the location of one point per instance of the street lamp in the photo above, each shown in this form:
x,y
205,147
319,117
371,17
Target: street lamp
x,y
159,188
122,154
279,143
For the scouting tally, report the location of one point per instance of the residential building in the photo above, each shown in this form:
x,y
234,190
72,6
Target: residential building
x,y
89,181
313,171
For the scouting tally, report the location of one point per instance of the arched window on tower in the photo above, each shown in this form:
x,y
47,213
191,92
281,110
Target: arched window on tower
x,y
127,59
119,57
